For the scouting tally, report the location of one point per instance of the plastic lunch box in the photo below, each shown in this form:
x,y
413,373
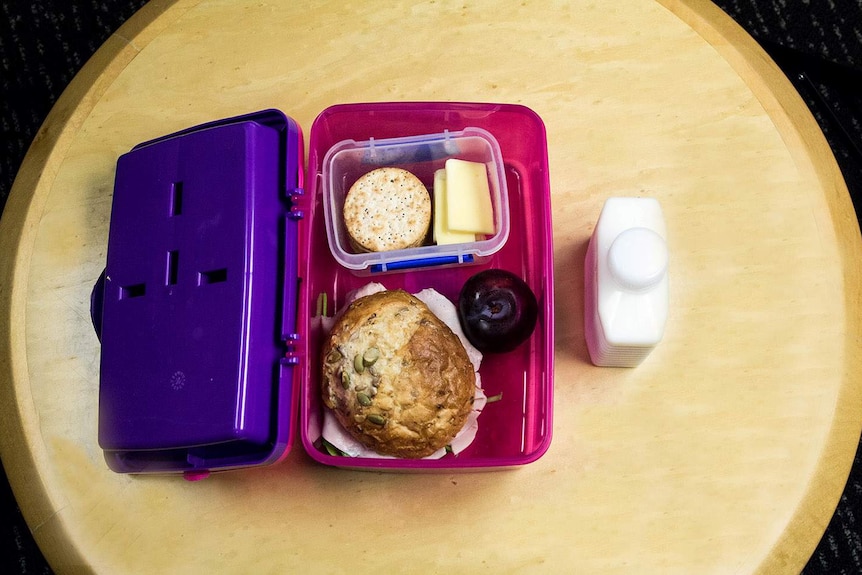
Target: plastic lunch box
x,y
219,248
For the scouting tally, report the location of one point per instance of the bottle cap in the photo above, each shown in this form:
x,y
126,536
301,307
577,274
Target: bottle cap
x,y
637,259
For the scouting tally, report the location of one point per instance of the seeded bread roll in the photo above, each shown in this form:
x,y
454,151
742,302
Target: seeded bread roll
x,y
396,377
387,209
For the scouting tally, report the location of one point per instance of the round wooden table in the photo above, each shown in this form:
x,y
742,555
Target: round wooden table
x,y
724,452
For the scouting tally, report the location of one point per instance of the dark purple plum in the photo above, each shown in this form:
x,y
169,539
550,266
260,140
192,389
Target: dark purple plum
x,y
497,310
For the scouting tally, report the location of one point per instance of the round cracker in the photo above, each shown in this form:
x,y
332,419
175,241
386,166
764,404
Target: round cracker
x,y
387,209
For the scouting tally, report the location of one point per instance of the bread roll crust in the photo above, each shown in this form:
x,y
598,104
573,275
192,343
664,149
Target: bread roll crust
x,y
396,377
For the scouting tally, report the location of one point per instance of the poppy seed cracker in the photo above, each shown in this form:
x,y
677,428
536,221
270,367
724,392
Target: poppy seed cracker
x,y
387,209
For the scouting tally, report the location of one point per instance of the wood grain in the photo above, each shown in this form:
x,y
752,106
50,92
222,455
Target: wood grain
x,y
725,452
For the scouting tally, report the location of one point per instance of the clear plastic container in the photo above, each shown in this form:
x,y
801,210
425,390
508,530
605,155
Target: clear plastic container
x,y
422,155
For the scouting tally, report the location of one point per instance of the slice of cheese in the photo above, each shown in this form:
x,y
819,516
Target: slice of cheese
x,y
468,198
442,234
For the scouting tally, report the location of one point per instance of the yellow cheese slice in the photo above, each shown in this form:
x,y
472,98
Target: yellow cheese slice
x,y
442,234
468,198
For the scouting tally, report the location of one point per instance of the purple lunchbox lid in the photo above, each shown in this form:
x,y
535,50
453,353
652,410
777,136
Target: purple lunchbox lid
x,y
194,374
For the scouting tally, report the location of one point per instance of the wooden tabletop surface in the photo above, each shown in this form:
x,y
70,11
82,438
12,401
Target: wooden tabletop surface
x,y
724,452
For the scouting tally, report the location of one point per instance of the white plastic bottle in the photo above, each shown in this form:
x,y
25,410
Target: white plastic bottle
x,y
626,282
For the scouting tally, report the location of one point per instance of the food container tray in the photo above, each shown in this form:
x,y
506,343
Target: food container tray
x,y
517,429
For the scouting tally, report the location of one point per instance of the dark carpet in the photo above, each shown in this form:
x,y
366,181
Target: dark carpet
x,y
818,43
